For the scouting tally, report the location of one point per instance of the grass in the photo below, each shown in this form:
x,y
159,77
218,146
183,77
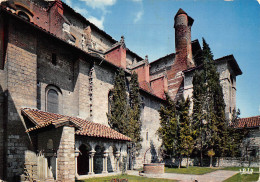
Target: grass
x,y
243,178
191,170
256,169
130,178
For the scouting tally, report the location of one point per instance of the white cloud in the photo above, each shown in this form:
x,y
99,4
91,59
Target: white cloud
x,y
138,16
101,4
81,11
98,22
258,1
68,2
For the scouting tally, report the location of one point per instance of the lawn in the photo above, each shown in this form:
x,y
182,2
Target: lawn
x,y
256,169
128,177
243,178
190,170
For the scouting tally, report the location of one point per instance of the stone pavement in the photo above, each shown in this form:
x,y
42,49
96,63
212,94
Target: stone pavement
x,y
216,176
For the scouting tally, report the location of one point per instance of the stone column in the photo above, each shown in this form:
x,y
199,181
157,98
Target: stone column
x,y
117,161
76,162
91,162
105,155
65,155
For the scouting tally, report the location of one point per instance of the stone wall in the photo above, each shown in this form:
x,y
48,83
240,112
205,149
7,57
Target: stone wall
x,y
223,162
21,75
103,81
150,124
66,155
228,86
2,123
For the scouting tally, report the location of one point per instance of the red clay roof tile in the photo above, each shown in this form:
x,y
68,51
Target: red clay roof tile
x,y
249,122
87,128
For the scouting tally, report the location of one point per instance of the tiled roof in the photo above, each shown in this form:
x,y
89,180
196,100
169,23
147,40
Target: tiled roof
x,y
250,122
42,119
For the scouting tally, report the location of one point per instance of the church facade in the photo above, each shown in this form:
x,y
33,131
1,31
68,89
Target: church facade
x,y
57,71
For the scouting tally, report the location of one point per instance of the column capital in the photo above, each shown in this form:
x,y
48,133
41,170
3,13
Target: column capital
x,y
118,153
92,153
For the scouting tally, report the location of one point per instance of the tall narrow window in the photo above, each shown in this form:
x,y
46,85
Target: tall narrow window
x,y
54,59
52,101
110,98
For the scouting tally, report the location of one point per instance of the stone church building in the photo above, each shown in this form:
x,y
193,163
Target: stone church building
x,y
56,74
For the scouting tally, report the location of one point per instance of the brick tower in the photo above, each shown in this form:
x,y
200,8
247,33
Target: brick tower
x,y
183,58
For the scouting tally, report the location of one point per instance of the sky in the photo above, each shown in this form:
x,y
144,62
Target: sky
x,y
228,26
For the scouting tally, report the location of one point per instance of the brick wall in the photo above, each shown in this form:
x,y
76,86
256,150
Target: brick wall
x,y
117,56
159,86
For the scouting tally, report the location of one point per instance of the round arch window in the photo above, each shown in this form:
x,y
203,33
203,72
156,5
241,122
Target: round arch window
x,y
53,101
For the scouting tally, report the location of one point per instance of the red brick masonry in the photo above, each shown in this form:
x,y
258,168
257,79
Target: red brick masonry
x,y
154,168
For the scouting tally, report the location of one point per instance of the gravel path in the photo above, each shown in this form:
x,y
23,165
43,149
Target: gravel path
x,y
216,176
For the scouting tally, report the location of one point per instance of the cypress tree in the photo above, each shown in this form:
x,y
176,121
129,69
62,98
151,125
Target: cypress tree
x,y
168,130
135,123
209,107
118,118
125,116
186,133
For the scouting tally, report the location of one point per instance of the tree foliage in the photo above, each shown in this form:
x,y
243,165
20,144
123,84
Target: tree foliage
x,y
175,128
118,116
209,107
135,123
168,126
186,133
125,112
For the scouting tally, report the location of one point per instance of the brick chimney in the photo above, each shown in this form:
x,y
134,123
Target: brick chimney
x,y
183,58
142,69
58,6
117,54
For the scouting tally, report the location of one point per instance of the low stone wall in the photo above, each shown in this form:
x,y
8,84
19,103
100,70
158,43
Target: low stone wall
x,y
223,162
154,168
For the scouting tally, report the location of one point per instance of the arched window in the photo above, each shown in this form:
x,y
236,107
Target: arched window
x,y
53,101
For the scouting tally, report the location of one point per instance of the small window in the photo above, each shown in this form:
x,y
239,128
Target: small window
x,y
52,101
142,102
231,79
54,59
147,135
110,99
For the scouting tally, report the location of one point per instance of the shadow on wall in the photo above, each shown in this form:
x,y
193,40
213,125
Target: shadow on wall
x,y
154,155
14,138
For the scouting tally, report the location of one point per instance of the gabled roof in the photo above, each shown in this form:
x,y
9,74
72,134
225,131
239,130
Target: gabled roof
x,y
230,59
232,62
43,119
249,122
162,58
